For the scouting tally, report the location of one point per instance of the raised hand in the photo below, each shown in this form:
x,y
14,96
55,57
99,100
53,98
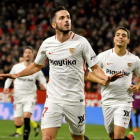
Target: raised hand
x,y
6,90
115,76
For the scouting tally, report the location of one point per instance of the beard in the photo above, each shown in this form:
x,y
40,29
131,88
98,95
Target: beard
x,y
62,30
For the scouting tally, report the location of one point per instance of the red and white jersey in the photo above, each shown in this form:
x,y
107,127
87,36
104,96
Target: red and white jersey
x,y
66,60
25,85
118,91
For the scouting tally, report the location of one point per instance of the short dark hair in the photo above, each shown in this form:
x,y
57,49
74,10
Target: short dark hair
x,y
29,47
123,28
52,14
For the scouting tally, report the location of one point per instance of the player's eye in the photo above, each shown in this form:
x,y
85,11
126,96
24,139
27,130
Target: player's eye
x,y
61,17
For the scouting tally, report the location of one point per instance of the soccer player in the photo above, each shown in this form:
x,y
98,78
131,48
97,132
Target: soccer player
x,y
66,52
32,123
117,96
25,93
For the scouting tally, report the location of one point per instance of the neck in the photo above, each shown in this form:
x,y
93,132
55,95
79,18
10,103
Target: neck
x,y
27,63
120,51
61,37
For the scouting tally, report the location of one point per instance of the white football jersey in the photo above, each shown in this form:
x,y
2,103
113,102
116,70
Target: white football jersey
x,y
119,90
25,85
66,60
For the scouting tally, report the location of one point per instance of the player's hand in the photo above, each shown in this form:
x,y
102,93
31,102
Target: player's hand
x,y
134,88
9,95
11,76
115,76
6,90
42,86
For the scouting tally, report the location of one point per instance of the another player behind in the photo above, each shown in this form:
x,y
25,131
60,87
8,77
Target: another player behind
x,y
66,52
24,92
32,123
117,96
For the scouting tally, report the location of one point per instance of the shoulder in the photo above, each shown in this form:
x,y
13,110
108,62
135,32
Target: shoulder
x,y
132,56
105,53
48,40
79,38
17,65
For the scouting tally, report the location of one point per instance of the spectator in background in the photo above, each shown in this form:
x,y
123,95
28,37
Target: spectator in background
x,y
23,24
136,110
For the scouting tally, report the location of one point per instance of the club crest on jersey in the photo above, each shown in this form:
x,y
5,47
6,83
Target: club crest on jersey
x,y
72,50
129,65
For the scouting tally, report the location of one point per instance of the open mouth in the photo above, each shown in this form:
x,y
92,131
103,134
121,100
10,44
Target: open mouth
x,y
67,25
120,41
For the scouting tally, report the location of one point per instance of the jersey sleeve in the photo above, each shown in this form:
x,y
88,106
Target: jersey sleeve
x,y
41,78
8,80
41,55
88,53
137,67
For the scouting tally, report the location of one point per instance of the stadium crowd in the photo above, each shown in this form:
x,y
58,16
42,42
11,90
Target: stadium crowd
x,y
27,24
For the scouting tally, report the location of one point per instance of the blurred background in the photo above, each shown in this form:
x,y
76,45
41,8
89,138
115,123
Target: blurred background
x,y
26,23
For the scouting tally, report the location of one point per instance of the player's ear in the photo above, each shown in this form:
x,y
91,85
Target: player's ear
x,y
114,39
128,41
53,25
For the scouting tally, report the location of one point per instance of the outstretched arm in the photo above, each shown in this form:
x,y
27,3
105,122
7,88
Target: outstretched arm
x,y
95,79
31,69
97,75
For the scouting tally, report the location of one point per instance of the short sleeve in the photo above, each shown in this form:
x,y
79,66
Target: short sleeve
x,y
137,67
88,53
41,55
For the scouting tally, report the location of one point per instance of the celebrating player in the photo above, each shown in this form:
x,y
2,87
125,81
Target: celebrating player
x,y
66,52
25,94
117,96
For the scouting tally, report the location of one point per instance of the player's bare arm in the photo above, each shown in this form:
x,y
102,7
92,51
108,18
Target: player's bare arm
x,y
31,69
135,88
95,79
99,73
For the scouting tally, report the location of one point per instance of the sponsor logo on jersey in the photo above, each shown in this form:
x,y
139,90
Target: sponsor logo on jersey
x,y
25,79
121,72
62,62
72,50
129,65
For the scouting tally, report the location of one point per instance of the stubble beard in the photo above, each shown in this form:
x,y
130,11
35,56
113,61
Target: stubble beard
x,y
63,31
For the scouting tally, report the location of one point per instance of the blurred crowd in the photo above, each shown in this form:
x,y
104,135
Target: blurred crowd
x,y
27,24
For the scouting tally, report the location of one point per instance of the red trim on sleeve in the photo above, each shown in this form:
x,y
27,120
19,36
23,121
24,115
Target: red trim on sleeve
x,y
112,50
46,61
73,36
